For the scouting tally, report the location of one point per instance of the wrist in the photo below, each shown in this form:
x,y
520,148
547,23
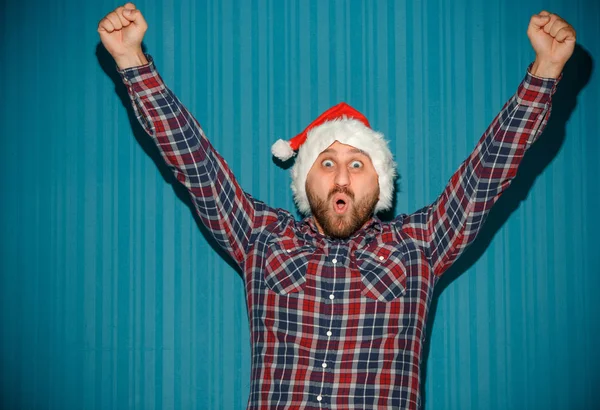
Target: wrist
x,y
545,69
133,59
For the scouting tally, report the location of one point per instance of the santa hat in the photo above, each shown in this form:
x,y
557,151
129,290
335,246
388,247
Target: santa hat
x,y
344,124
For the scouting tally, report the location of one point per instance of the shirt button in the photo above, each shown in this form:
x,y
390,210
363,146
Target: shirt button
x,y
288,250
319,398
329,333
331,297
334,260
324,365
381,258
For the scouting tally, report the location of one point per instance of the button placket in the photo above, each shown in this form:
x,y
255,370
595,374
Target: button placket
x,y
336,262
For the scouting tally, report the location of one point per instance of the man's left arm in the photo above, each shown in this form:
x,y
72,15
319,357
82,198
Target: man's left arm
x,y
452,222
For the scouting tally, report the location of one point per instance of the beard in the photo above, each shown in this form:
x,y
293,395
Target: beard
x,y
344,225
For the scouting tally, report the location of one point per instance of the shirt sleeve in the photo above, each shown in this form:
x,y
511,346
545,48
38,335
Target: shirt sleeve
x,y
451,223
232,216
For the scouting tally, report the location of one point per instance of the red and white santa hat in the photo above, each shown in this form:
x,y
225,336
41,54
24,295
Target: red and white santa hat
x,y
344,124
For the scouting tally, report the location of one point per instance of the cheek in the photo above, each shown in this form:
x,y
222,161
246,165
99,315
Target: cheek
x,y
374,179
316,184
370,186
375,183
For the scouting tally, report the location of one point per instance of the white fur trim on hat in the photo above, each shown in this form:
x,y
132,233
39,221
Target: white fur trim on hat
x,y
350,132
282,150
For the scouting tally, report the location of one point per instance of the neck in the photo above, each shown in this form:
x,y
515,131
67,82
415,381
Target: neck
x,y
318,225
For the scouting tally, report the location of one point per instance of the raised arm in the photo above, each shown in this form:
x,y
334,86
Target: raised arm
x,y
451,223
232,216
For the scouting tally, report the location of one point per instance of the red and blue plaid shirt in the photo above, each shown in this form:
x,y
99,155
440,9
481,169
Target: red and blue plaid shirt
x,y
338,323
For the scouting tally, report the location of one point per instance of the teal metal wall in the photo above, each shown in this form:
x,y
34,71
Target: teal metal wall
x,y
111,297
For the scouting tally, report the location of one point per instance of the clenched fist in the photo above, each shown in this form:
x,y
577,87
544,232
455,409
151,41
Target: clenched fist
x,y
122,32
553,40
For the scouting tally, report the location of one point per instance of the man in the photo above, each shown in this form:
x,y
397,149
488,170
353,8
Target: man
x,y
338,301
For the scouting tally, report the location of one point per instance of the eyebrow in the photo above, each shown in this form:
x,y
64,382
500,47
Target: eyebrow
x,y
352,151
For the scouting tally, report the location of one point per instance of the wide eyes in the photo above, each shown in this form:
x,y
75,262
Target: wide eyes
x,y
327,163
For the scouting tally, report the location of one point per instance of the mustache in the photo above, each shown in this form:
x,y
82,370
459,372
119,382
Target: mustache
x,y
340,190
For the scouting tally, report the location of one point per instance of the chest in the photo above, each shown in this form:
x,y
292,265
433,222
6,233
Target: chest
x,y
384,283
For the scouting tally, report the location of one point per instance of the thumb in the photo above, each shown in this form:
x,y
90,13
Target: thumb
x,y
135,16
538,21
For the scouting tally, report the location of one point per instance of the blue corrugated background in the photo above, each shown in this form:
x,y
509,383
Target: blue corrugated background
x,y
111,297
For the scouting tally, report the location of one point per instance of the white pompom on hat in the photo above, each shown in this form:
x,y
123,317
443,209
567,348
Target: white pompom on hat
x,y
347,125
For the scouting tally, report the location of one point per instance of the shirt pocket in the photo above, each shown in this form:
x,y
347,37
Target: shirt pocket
x,y
382,271
285,265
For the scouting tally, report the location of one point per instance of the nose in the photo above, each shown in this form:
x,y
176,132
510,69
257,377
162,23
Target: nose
x,y
342,177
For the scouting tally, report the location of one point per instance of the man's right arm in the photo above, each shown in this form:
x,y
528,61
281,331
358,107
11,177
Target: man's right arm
x,y
233,217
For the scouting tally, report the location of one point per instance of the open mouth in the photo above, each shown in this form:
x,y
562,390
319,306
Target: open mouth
x,y
340,204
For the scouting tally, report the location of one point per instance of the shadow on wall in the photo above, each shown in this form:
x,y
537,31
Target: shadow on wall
x,y
576,75
108,65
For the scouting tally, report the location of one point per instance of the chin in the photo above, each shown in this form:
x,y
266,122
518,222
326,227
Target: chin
x,y
341,226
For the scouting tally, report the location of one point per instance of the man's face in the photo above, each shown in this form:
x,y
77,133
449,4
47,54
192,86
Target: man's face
x,y
342,189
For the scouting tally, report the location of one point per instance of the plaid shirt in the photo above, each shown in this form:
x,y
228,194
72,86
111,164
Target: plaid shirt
x,y
338,323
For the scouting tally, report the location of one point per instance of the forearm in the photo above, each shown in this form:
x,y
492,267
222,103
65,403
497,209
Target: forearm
x,y
175,131
518,125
